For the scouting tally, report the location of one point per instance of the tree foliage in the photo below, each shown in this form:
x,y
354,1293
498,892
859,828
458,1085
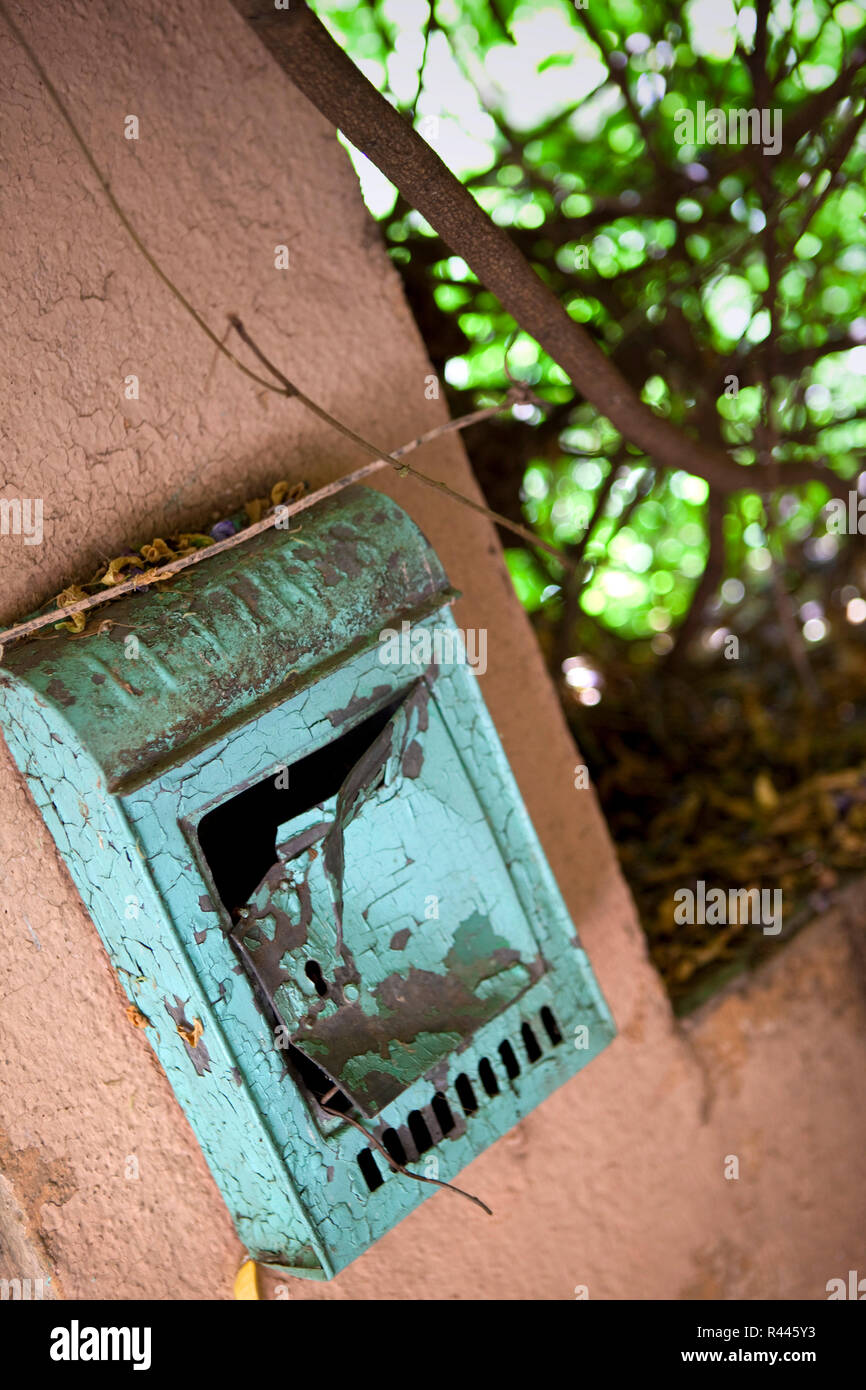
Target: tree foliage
x,y
724,280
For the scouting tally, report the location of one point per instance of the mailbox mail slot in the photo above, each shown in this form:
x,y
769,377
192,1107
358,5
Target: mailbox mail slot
x,y
313,872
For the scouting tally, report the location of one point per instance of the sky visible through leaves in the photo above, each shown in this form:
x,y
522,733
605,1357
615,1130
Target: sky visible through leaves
x,y
658,248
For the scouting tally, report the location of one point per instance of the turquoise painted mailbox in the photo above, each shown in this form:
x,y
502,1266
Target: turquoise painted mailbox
x,y
310,864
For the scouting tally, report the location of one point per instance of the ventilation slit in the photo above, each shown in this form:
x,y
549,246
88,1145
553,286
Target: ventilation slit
x,y
509,1061
370,1170
393,1143
530,1042
442,1110
313,971
465,1094
551,1026
419,1131
487,1077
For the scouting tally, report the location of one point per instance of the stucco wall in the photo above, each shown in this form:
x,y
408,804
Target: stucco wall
x,y
617,1181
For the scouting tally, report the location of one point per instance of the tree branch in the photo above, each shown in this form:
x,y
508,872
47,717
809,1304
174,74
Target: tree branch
x,y
328,78
813,111
160,574
836,157
619,77
707,585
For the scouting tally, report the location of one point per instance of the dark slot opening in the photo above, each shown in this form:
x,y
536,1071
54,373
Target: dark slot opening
x,y
370,1169
442,1110
394,1144
239,838
509,1061
530,1042
465,1094
551,1026
487,1077
419,1131
313,971
317,1082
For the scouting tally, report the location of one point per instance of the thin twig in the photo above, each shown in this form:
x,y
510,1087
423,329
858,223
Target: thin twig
x,y
619,77
790,630
767,431
427,23
401,1167
574,584
286,388
832,164
707,584
577,552
157,576
327,77
289,388
106,188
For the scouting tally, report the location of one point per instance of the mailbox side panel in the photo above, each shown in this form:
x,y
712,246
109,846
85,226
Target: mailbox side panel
x,y
108,867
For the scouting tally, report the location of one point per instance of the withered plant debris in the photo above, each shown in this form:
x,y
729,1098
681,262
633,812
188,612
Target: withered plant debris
x,y
731,776
160,551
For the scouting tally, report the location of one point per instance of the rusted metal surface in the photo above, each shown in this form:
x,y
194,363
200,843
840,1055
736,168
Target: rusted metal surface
x,y
235,634
405,816
405,949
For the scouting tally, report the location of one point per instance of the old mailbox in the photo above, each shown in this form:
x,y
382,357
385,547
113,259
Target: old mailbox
x,y
312,869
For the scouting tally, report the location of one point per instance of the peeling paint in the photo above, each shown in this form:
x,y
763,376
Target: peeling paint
x,y
191,1035
358,705
406,1013
413,1002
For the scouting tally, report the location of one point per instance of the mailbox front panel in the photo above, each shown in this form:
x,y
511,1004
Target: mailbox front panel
x,y
375,980
472,1088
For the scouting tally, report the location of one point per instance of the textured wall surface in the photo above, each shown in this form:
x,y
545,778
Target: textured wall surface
x,y
617,1181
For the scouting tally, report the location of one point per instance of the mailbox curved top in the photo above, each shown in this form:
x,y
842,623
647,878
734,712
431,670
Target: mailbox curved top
x,y
230,637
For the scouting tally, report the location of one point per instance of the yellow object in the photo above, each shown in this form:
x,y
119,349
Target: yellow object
x,y
247,1280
